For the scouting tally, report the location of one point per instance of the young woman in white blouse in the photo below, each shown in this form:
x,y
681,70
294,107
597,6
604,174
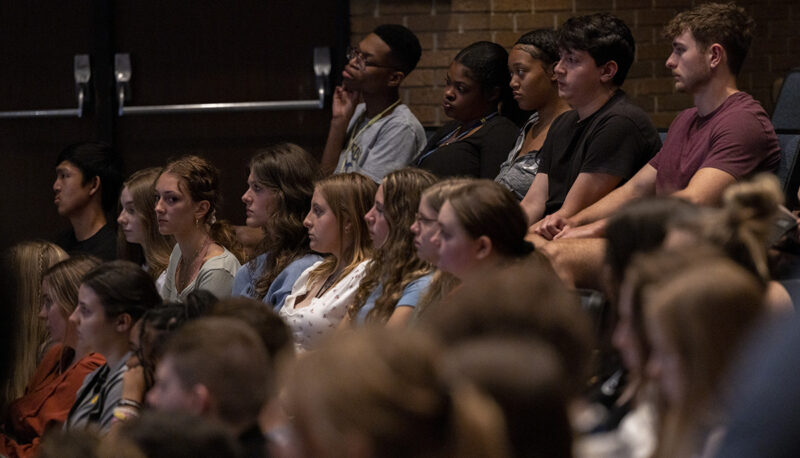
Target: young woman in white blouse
x,y
336,227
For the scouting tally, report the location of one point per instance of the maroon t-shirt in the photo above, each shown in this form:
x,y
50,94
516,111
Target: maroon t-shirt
x,y
736,138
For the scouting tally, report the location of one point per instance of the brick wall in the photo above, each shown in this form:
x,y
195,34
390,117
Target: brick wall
x,y
446,26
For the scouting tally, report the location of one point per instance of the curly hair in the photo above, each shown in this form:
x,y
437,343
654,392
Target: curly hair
x,y
350,196
290,171
709,23
395,263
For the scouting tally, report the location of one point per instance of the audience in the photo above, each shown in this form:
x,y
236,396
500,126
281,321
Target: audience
x,y
394,280
509,354
138,227
278,196
51,390
86,191
187,195
380,134
336,227
532,63
477,97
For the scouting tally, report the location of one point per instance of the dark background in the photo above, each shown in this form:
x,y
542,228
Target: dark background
x,y
181,52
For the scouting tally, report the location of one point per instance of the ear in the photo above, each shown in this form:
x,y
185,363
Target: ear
x,y
123,323
484,247
395,78
608,70
200,400
201,209
716,55
94,185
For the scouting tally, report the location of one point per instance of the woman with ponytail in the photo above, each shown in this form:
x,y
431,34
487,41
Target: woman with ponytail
x,y
480,227
477,97
396,277
378,392
187,196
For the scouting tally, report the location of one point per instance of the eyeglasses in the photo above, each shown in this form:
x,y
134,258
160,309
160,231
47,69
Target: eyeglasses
x,y
423,220
359,59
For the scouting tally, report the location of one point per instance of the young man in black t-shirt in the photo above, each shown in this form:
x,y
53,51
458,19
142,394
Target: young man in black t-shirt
x,y
605,139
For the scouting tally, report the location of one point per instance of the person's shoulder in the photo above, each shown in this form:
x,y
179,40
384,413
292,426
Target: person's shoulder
x,y
403,116
502,124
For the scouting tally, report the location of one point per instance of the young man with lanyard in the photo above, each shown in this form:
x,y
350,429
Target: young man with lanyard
x,y
727,136
381,134
87,187
604,140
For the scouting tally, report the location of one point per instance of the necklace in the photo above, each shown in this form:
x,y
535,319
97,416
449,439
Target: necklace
x,y
328,283
188,266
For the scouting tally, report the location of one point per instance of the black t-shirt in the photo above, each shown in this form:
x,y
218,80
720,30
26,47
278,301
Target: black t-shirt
x,y
618,139
478,155
102,244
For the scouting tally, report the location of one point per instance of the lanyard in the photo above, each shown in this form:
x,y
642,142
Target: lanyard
x,y
446,140
354,136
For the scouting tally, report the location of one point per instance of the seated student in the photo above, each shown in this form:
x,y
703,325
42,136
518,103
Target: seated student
x,y
51,390
187,195
383,392
726,137
532,63
476,96
336,227
24,265
177,435
693,349
601,143
111,298
138,225
480,228
216,367
396,277
86,188
425,228
381,134
278,196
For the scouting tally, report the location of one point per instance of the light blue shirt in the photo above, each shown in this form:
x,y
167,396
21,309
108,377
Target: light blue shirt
x,y
244,283
410,297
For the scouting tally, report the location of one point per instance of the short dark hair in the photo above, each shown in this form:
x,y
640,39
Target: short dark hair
x,y
545,41
97,159
604,36
709,23
122,287
404,46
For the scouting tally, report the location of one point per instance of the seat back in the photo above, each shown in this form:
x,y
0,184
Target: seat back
x,y
787,108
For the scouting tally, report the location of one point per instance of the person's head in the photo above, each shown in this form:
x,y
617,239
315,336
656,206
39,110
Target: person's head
x,y
382,393
187,195
476,82
532,63
382,59
639,227
525,377
179,435
335,221
273,331
87,174
596,53
279,185
425,223
696,324
60,296
24,265
480,224
137,218
111,298
712,38
213,367
523,300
